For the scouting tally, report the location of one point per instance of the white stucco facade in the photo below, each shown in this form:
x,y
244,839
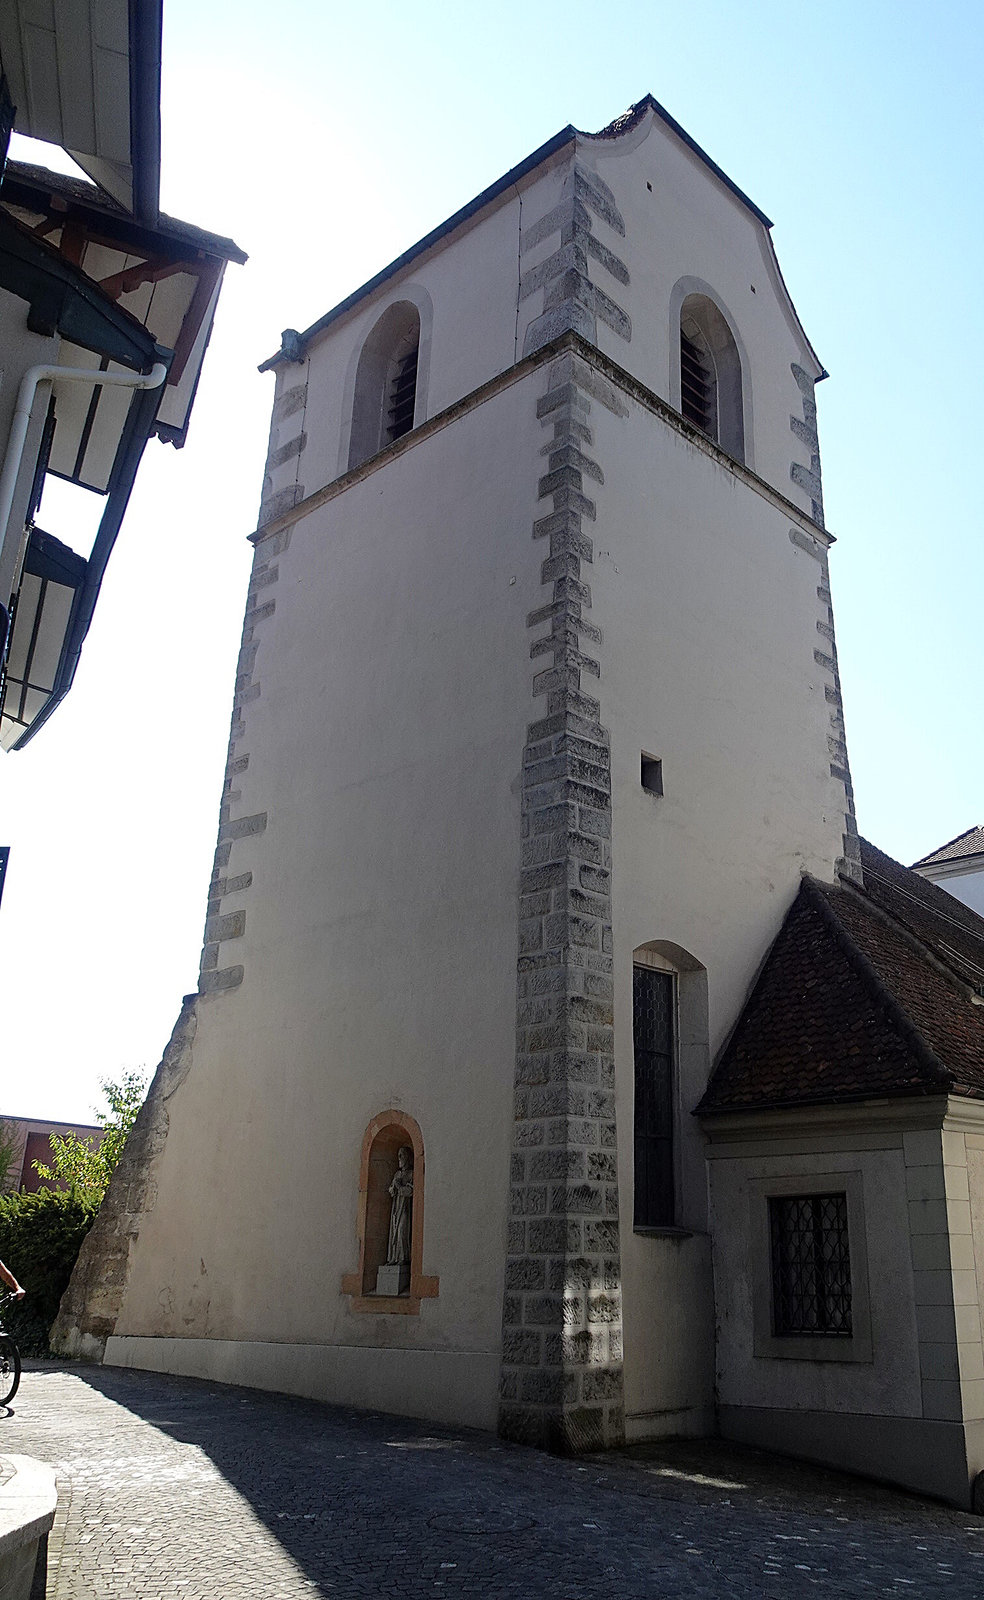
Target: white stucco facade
x,y
964,880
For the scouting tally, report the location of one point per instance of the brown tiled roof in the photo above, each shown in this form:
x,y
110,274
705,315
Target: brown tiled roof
x,y
970,843
866,994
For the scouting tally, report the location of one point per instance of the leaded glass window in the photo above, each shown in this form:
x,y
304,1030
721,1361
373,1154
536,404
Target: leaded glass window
x,y
653,1045
811,1265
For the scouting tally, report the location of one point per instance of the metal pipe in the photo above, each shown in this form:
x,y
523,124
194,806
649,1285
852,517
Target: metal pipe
x,y
24,405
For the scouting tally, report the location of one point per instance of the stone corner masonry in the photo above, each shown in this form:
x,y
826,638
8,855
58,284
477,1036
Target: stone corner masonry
x,y
561,1380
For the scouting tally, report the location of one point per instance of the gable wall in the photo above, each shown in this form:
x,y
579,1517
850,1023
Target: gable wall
x,y
691,227
562,250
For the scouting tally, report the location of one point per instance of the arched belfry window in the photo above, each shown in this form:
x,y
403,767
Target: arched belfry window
x,y
385,383
710,375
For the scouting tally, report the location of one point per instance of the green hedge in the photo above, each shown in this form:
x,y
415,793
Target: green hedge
x,y
40,1235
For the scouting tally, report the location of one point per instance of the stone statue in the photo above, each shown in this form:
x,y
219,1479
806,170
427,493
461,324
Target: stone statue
x,y
401,1194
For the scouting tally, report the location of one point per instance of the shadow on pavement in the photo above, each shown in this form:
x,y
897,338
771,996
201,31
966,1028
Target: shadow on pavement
x,y
365,1503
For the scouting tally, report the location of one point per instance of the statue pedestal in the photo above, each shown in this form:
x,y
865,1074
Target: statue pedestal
x,y
393,1279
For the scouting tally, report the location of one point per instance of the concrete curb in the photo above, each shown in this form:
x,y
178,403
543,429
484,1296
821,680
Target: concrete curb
x,y
27,1510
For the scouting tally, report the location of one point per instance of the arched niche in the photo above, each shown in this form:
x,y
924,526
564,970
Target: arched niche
x,y
704,340
386,394
385,1136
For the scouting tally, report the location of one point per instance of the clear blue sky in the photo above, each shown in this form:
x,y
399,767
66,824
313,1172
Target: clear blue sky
x,y
325,139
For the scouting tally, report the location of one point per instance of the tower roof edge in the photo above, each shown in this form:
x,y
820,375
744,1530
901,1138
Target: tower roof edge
x,y
633,116
515,174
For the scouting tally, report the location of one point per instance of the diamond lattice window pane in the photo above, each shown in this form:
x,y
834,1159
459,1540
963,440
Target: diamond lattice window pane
x,y
811,1264
652,1039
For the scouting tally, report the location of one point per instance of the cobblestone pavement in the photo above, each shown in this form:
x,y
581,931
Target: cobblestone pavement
x,y
174,1489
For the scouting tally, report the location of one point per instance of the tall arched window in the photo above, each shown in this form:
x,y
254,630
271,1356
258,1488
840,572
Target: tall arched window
x,y
654,1048
385,383
671,1068
710,375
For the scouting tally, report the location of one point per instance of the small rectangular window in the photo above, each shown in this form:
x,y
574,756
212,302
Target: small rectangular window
x,y
654,1050
811,1266
652,774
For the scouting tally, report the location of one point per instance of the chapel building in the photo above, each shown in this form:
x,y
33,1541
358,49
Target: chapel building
x,y
562,1063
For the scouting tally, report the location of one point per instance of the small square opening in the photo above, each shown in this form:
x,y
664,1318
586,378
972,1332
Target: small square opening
x,y
652,774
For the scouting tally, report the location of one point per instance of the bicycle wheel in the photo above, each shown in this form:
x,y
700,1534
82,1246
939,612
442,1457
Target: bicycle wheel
x,y
10,1369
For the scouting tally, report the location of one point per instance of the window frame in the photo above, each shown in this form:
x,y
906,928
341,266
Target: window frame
x,y
802,1290
658,966
694,299
828,1346
398,328
701,349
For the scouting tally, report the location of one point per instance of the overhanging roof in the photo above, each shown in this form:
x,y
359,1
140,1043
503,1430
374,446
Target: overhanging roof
x,y
86,75
165,278
87,419
48,599
65,604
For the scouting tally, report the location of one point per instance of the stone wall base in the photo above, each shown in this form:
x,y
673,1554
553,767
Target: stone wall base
x,y
458,1388
683,1422
929,1457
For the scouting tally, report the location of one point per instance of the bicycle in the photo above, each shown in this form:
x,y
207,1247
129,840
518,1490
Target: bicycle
x,y
10,1361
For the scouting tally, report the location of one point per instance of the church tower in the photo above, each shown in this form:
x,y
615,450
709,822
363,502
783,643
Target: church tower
x,y
537,728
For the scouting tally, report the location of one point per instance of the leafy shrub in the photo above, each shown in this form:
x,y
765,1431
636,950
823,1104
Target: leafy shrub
x,y
40,1236
80,1166
9,1150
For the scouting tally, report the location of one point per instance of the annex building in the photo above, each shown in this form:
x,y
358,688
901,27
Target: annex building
x,y
633,1095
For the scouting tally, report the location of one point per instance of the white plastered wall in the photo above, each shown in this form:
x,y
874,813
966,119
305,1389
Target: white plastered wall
x,y
690,228
380,945
886,1385
708,612
965,885
466,292
908,1404
963,1194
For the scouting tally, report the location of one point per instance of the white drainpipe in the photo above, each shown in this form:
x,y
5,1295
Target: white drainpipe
x,y
25,404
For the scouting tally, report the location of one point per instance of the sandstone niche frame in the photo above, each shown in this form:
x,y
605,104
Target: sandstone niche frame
x,y
381,1144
